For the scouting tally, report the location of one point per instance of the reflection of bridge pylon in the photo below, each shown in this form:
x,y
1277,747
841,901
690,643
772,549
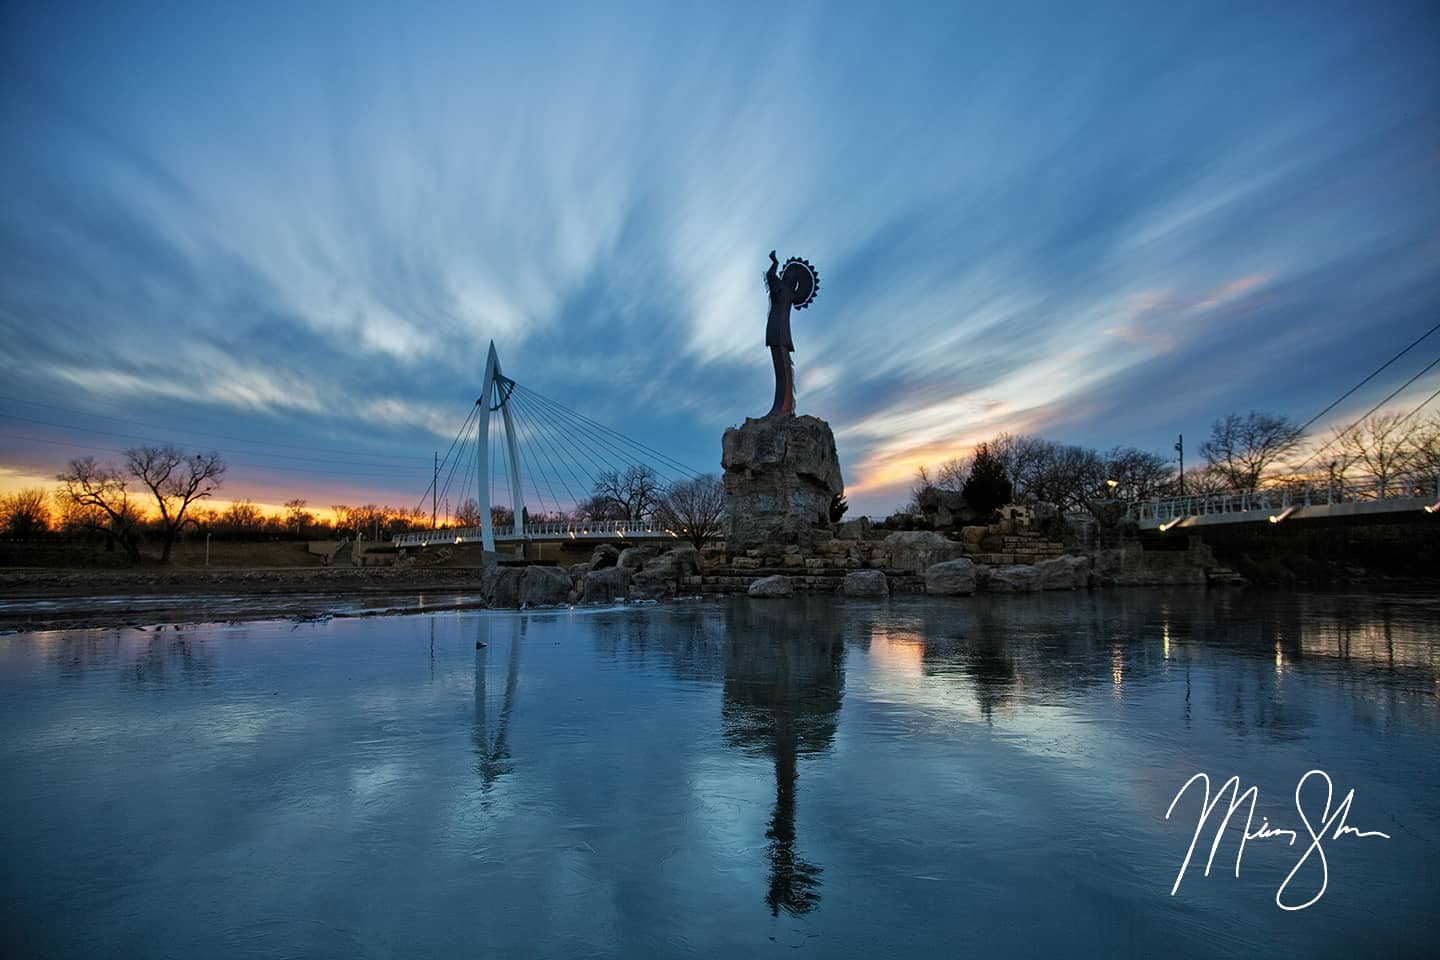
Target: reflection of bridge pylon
x,y
494,754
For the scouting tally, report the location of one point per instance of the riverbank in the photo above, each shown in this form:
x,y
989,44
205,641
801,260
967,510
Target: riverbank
x,y
51,599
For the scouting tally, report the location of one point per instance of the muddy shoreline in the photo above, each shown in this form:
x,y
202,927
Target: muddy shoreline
x,y
61,599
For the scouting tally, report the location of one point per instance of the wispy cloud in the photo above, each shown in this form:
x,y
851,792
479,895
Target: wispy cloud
x,y
312,223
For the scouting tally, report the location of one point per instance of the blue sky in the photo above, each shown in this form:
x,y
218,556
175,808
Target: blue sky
x,y
302,224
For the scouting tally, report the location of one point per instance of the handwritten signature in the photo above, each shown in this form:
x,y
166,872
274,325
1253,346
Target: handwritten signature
x,y
1332,826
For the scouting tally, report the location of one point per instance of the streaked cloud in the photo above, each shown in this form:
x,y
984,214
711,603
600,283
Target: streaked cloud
x,y
308,223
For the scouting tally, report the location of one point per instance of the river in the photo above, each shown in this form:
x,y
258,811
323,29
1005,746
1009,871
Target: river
x,y
729,778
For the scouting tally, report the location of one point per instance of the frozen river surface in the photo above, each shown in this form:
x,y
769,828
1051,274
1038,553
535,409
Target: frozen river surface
x,y
733,778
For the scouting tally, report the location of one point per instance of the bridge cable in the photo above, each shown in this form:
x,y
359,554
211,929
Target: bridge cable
x,y
597,452
575,424
433,478
1360,419
545,452
576,500
672,462
609,437
1369,378
528,462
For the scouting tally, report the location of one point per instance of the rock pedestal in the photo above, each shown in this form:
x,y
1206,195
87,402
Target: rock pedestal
x,y
781,474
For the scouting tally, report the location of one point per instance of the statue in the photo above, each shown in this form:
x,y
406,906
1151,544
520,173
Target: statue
x,y
794,286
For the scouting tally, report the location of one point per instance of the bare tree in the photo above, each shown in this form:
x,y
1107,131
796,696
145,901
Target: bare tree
x,y
1241,449
694,509
243,518
176,481
468,513
633,494
919,488
1199,482
599,508
1425,459
1380,447
97,497
953,473
297,518
25,514
1137,474
1070,476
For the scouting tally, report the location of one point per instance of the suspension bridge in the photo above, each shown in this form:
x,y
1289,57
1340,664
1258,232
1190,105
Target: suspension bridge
x,y
533,452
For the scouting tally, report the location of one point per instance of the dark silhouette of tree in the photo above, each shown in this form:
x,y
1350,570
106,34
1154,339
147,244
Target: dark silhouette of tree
x,y
1138,474
693,509
987,489
297,518
24,513
97,497
176,481
1240,448
632,494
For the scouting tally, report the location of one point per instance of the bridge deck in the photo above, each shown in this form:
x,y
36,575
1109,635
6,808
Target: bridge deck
x,y
1289,503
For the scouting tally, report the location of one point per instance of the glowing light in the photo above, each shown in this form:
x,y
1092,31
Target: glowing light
x,y
1433,508
1276,518
1165,640
1170,523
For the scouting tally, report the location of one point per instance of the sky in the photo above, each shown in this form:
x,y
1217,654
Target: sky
x,y
289,232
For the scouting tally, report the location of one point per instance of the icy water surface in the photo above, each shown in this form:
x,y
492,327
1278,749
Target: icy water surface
x,y
736,778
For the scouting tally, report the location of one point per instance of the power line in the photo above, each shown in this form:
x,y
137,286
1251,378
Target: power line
x,y
151,440
95,448
173,428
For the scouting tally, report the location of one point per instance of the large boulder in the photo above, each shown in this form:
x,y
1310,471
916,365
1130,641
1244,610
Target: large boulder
x,y
635,558
857,529
665,575
544,586
952,578
781,474
605,555
605,586
915,551
1064,573
1020,578
945,508
866,583
776,586
500,585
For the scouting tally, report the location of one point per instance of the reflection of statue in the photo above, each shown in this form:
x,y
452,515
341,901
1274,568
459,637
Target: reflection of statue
x,y
783,682
795,286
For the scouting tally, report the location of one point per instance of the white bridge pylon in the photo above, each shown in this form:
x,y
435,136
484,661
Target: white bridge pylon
x,y
494,395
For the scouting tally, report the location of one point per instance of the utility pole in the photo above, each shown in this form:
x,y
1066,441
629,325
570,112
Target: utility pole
x,y
1180,449
434,489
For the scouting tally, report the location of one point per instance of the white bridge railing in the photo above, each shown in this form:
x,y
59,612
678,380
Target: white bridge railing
x,y
570,530
1287,497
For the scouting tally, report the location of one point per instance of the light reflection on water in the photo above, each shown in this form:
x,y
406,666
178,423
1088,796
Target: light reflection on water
x,y
908,777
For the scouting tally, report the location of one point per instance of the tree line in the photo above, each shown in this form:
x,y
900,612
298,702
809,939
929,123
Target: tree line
x,y
156,495
1241,454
